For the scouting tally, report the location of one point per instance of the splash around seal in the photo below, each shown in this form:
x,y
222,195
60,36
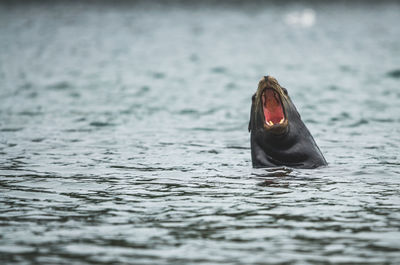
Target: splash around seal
x,y
278,135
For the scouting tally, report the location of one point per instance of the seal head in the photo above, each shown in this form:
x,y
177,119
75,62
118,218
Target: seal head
x,y
278,135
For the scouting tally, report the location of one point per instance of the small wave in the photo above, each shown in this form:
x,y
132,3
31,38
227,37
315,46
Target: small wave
x,y
26,86
342,116
231,86
147,168
77,130
37,140
205,129
194,58
310,121
394,73
17,129
238,147
359,123
388,120
30,113
346,69
63,85
218,70
101,124
142,91
212,151
158,75
333,88
188,111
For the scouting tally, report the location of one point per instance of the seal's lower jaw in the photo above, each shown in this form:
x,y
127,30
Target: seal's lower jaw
x,y
274,113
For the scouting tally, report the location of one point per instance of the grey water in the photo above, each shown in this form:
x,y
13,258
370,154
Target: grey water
x,y
123,133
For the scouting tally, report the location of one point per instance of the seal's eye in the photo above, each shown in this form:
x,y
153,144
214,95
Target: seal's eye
x,y
285,91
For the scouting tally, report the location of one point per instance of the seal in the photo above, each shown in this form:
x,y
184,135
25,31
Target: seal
x,y
278,136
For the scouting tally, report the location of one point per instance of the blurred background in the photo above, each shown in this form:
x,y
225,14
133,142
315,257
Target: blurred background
x,y
123,132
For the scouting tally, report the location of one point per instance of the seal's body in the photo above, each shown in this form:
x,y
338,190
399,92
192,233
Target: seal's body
x,y
278,135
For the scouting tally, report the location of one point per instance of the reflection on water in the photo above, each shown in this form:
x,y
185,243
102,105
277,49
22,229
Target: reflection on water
x,y
123,133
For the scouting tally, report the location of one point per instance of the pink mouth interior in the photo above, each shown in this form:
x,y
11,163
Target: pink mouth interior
x,y
273,111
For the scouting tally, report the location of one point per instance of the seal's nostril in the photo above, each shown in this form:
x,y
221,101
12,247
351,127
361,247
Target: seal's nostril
x,y
266,78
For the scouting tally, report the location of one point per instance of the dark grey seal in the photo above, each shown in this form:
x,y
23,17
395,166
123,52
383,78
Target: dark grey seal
x,y
278,135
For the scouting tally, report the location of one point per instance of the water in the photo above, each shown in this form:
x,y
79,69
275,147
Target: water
x,y
123,133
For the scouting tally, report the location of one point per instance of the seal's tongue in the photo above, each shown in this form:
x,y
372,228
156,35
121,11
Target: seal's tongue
x,y
273,111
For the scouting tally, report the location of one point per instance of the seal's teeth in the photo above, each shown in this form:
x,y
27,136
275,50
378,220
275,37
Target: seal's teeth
x,y
281,121
270,123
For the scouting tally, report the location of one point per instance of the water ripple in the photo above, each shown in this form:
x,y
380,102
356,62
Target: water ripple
x,y
123,134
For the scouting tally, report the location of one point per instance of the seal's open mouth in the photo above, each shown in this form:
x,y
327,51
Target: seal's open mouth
x,y
272,106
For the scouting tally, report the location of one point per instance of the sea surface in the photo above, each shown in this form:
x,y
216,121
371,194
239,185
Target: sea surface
x,y
123,132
